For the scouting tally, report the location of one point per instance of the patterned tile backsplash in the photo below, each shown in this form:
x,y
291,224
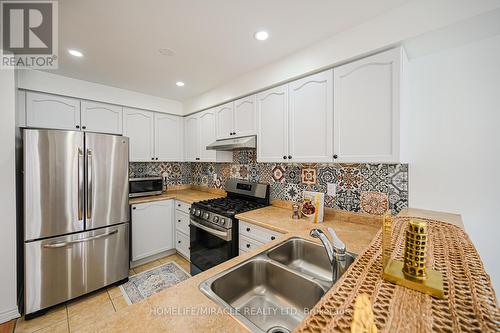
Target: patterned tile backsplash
x,y
288,180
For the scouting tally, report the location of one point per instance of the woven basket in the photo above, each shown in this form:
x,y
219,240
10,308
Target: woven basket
x,y
470,303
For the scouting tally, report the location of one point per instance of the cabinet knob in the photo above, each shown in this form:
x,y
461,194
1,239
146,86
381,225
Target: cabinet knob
x,y
133,207
178,220
178,205
284,157
84,127
179,242
77,126
248,229
152,158
273,238
289,157
156,158
248,245
335,156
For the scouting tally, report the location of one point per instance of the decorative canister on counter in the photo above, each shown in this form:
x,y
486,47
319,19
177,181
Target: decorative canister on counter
x,y
313,206
415,250
296,211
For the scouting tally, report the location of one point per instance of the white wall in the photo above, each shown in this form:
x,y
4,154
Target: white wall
x,y
61,85
8,283
400,24
452,140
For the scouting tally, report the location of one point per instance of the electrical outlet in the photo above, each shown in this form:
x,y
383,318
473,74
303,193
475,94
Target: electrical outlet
x,y
331,189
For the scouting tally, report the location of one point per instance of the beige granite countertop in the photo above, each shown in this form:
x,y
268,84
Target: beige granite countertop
x,y
186,195
184,308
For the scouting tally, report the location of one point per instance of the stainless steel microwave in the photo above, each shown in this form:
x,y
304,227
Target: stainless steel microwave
x,y
139,187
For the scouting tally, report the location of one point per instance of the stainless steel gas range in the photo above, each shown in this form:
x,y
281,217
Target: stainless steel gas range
x,y
214,228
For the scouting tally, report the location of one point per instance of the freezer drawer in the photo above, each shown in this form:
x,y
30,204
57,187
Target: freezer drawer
x,y
61,268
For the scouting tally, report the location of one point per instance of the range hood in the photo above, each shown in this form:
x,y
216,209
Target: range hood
x,y
247,142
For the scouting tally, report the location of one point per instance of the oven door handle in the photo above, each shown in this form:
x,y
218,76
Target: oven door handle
x,y
225,235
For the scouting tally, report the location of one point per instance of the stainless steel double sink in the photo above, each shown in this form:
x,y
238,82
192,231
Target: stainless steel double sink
x,y
274,290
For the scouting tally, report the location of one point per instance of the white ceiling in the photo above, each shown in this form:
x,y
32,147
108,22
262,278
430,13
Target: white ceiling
x,y
212,39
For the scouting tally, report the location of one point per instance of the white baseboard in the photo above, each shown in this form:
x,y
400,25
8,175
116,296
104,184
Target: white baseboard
x,y
9,315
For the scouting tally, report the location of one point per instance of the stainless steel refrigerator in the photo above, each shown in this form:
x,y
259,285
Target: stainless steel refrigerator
x,y
76,214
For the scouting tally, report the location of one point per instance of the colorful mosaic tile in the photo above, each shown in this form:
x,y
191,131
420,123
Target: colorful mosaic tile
x,y
278,173
308,175
289,180
292,174
375,203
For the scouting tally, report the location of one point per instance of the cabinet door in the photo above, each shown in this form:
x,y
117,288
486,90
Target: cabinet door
x,y
50,111
138,126
192,146
225,121
207,135
311,118
100,117
272,124
245,116
366,109
152,228
168,137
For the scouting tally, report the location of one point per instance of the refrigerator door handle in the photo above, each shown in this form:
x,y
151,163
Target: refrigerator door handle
x,y
88,239
89,183
80,184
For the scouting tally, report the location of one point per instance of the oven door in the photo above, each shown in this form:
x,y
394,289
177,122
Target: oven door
x,y
210,245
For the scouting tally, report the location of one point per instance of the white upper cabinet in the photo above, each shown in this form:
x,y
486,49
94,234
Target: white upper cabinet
x,y
168,137
101,117
272,124
311,119
51,111
245,116
191,145
225,120
138,126
366,109
207,135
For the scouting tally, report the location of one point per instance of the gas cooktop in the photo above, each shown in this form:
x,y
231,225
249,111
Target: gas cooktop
x,y
229,206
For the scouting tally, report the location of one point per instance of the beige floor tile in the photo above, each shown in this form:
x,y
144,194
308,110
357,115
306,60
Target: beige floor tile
x,y
51,318
131,272
114,292
89,301
119,303
61,327
89,313
147,266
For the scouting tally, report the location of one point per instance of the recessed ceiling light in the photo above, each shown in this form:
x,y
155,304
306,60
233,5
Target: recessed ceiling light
x,y
166,52
261,35
75,53
179,84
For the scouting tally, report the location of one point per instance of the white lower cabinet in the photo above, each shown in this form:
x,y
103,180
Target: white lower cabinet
x,y
152,228
182,235
252,237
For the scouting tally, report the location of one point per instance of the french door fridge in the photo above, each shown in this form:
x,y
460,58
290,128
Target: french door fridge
x,y
76,214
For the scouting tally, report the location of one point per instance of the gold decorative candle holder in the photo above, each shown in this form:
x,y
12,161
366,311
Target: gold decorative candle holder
x,y
413,273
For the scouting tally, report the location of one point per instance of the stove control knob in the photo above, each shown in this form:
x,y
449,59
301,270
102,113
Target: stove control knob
x,y
216,219
222,221
197,212
205,215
